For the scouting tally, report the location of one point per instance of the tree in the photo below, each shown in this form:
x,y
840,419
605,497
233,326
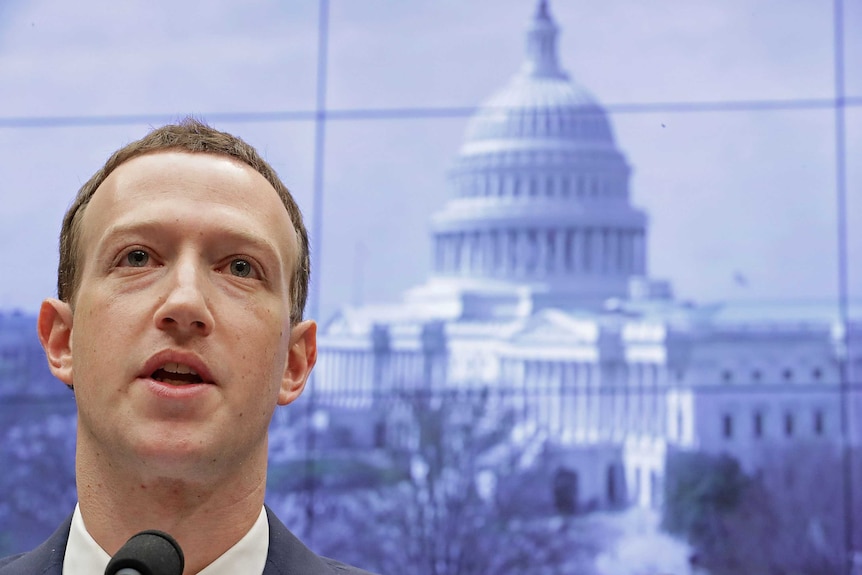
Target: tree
x,y
784,519
446,514
38,482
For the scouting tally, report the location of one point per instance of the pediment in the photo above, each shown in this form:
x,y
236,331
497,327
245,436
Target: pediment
x,y
339,324
552,327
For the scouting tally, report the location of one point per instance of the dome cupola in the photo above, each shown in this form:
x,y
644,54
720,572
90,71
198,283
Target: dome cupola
x,y
540,192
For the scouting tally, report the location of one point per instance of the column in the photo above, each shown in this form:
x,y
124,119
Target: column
x,y
599,250
611,251
560,250
487,252
639,252
620,264
344,378
540,251
478,253
440,253
524,390
626,251
574,240
586,251
503,264
466,253
596,400
609,397
550,251
354,383
364,383
555,398
639,410
493,252
512,261
582,397
523,252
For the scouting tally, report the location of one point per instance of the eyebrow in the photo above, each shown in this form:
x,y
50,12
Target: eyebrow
x,y
257,242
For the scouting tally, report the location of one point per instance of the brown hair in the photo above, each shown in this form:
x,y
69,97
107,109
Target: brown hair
x,y
189,135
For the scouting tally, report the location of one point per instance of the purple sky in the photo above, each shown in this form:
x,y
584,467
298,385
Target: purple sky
x,y
743,192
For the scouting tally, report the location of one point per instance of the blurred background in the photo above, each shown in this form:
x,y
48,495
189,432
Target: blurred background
x,y
738,125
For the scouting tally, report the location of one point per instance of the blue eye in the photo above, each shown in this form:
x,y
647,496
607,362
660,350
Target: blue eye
x,y
240,268
137,258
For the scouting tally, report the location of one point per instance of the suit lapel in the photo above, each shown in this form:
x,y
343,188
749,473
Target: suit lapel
x,y
46,559
287,554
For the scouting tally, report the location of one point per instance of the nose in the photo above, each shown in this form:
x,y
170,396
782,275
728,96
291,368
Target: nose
x,y
185,309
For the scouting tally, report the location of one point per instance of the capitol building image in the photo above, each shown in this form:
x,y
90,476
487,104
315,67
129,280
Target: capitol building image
x,y
540,295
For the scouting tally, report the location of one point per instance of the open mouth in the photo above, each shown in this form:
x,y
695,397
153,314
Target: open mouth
x,y
176,374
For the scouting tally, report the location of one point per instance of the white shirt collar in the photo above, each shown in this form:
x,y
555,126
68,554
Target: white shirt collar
x,y
248,555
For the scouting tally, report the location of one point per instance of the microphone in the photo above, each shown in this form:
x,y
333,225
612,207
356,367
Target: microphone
x,y
149,552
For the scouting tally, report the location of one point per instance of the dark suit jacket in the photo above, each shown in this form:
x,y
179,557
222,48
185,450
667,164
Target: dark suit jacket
x,y
287,555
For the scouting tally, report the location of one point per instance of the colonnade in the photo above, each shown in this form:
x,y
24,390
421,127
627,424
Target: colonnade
x,y
345,377
540,185
582,401
540,252
356,377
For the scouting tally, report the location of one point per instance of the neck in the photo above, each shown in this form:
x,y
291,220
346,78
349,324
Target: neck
x,y
206,517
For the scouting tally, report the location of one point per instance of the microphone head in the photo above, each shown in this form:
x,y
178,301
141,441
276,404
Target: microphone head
x,y
149,552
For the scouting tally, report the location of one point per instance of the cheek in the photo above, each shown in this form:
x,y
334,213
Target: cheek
x,y
264,343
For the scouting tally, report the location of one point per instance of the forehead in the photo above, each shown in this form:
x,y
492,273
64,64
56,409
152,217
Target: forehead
x,y
173,187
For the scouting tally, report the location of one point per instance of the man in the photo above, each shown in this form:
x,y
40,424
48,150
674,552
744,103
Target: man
x,y
183,275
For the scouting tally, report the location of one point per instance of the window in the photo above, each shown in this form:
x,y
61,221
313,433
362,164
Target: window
x,y
727,426
566,491
380,434
758,424
727,376
788,424
818,422
612,484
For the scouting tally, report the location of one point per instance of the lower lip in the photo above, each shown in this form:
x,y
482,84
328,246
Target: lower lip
x,y
176,392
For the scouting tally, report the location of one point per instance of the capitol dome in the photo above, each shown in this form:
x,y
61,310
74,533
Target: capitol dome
x,y
540,103
540,192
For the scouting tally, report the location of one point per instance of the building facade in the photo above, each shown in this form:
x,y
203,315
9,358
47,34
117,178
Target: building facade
x,y
540,296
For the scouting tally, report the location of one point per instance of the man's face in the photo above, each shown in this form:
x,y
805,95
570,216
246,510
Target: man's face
x,y
181,339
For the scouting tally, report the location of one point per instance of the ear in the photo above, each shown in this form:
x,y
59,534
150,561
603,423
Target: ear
x,y
55,333
301,357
